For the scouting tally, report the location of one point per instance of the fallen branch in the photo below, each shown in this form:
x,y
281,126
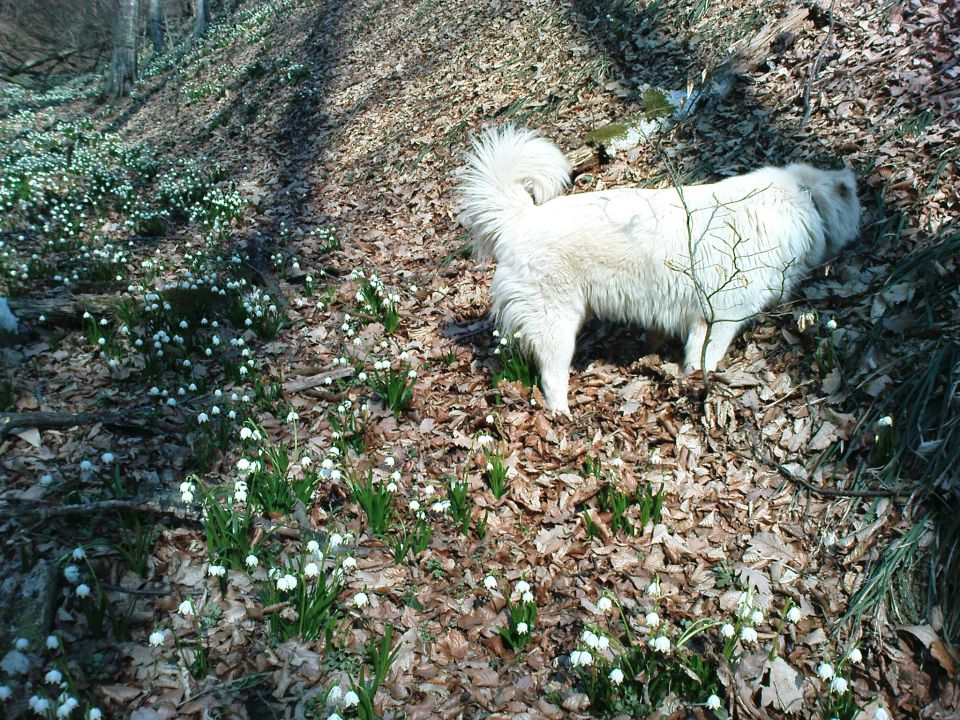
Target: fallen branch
x,y
815,67
64,311
301,384
139,419
42,510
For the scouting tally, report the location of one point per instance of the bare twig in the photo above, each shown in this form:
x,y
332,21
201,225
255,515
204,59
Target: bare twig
x,y
137,418
815,67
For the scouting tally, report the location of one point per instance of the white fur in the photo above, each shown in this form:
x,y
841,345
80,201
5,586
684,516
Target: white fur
x,y
626,254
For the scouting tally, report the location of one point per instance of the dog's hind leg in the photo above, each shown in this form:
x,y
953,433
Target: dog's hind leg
x,y
552,348
721,335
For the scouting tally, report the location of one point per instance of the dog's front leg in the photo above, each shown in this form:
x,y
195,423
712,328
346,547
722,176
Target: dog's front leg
x,y
721,334
553,348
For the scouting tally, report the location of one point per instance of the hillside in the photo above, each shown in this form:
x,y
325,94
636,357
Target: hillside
x,y
250,438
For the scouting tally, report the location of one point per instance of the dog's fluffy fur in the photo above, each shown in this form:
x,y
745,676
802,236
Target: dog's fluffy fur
x,y
668,260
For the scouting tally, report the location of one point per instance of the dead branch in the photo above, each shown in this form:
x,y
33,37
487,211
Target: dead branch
x,y
815,67
308,383
135,419
40,510
64,311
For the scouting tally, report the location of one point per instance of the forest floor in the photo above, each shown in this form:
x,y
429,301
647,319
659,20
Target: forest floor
x,y
275,211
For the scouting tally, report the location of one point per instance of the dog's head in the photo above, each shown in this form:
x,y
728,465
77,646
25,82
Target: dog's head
x,y
834,194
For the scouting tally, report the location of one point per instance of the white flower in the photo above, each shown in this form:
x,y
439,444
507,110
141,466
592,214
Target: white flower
x,y
334,716
336,540
604,604
313,546
484,440
389,461
351,699
360,600
40,705
217,571
107,457
527,597
885,421
652,619
311,570
157,637
5,693
287,582
246,433
83,590
581,658
727,630
831,324
251,561
589,639
414,505
794,614
72,574
186,607
756,617
79,553
53,642
616,676
489,419
335,694
94,714
653,589
391,487
522,628
825,671
855,656
838,685
881,714
748,634
349,563
292,416
661,644
53,677
522,586
713,703
490,582
21,643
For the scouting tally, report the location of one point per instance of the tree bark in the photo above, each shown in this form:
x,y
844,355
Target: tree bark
x,y
203,18
155,25
123,68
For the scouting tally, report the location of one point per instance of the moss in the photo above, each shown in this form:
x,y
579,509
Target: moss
x,y
609,133
656,105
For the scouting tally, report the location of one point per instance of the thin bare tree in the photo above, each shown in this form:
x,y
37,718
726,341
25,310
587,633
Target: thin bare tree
x,y
202,8
123,67
155,25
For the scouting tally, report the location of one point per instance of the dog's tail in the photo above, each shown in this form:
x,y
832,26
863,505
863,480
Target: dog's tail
x,y
505,167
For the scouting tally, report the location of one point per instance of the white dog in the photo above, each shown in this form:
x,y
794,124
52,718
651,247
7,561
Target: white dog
x,y
695,261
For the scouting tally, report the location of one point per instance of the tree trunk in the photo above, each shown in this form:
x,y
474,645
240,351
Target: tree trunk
x,y
155,23
123,68
203,18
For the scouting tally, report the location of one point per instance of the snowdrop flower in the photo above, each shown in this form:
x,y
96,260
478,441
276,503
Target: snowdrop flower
x,y
53,677
311,570
186,607
336,540
79,553
156,638
825,671
313,546
490,583
94,714
292,417
838,685
713,703
580,658
727,630
652,619
881,714
489,419
86,466
107,458
5,693
335,694
349,563
53,642
527,597
217,570
391,487
522,628
885,421
287,582
522,586
794,614
589,639
251,561
40,705
855,656
484,440
748,634
653,589
360,600
831,324
414,505
616,676
334,716
756,617
441,507
83,590
661,644
21,644
351,699
72,574
389,461
604,604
